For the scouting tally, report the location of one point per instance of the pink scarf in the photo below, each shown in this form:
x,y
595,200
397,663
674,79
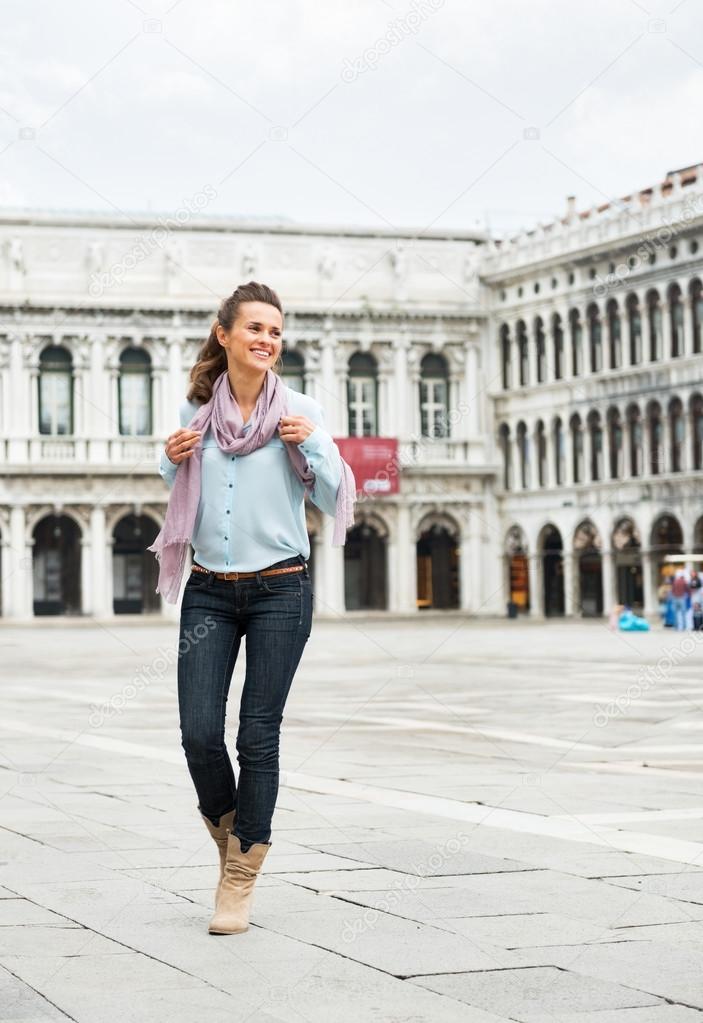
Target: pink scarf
x,y
221,413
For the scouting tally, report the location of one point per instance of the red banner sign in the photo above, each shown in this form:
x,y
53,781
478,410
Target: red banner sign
x,y
374,462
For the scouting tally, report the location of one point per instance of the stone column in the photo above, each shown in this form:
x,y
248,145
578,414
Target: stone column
x,y
686,325
547,326
32,426
536,609
80,428
87,594
402,564
17,568
400,350
384,426
335,410
471,392
102,427
100,571
330,573
165,410
665,353
569,594
174,393
608,578
651,604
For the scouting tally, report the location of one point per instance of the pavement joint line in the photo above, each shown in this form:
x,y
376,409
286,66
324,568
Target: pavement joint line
x,y
519,821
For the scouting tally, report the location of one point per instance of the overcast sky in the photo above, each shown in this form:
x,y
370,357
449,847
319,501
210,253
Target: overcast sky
x,y
403,113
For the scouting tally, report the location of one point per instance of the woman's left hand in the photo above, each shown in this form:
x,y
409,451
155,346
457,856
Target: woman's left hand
x,y
294,429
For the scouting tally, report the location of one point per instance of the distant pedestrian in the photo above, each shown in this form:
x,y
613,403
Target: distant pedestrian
x,y
680,595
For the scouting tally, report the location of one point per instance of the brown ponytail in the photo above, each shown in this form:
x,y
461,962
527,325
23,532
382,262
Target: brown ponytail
x,y
212,357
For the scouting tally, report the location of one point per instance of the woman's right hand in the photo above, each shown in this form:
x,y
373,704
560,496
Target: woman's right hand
x,y
180,444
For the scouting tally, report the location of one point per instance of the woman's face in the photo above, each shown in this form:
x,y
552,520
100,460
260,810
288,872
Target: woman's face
x,y
256,337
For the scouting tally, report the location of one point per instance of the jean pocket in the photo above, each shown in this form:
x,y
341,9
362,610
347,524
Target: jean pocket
x,y
286,584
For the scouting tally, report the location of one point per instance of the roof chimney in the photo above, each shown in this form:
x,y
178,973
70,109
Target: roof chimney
x,y
570,207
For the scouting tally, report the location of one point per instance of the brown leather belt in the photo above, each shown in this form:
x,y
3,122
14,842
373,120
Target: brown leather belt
x,y
249,575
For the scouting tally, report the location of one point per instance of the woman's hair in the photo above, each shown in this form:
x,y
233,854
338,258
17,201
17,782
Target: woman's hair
x,y
212,357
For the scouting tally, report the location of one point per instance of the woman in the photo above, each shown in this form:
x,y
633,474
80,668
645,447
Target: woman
x,y
248,450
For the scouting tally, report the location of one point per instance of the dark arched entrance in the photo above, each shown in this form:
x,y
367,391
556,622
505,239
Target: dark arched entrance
x,y
587,549
518,571
627,562
56,564
553,572
135,570
667,538
437,568
365,569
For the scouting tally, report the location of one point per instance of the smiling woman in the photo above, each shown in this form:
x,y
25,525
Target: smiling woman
x,y
248,451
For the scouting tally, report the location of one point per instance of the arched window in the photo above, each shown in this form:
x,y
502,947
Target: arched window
x,y
362,395
134,393
434,396
676,435
541,446
696,408
523,353
595,340
614,444
576,333
655,433
507,451
576,430
558,445
55,391
654,325
634,323
523,455
505,359
634,431
293,370
540,351
696,292
614,335
595,433
558,342
675,320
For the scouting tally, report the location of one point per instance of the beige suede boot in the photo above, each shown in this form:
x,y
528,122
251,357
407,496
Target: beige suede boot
x,y
236,892
219,833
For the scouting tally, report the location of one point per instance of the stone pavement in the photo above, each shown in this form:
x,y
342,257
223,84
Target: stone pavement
x,y
479,821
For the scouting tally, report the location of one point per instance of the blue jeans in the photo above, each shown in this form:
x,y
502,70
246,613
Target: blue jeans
x,y
680,612
275,614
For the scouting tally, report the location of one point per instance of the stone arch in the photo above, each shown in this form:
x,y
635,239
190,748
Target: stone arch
x,y
517,568
438,536
666,537
626,543
550,546
366,563
135,569
57,541
587,550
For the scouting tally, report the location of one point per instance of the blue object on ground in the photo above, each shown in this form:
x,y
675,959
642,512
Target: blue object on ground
x,y
630,622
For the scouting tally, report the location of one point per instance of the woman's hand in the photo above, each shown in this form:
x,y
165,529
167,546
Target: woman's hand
x,y
294,429
180,444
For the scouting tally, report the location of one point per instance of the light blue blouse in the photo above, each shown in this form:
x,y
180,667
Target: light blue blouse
x,y
252,507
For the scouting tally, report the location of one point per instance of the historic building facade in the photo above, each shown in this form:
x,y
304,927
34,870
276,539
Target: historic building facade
x,y
544,395
101,321
597,396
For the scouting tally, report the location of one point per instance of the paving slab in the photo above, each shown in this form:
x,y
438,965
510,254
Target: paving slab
x,y
538,995
673,973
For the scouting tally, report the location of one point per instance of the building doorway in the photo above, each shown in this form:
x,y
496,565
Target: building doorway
x,y
135,570
437,567
56,566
